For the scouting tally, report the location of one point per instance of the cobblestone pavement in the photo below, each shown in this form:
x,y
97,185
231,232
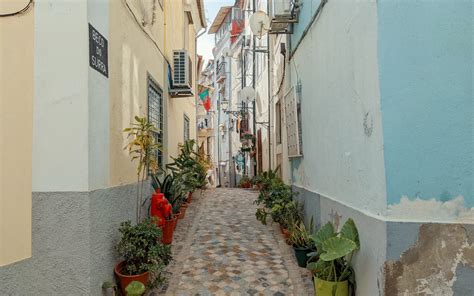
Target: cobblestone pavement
x,y
221,249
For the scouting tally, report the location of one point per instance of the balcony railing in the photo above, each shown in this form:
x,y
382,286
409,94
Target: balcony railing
x,y
205,122
220,73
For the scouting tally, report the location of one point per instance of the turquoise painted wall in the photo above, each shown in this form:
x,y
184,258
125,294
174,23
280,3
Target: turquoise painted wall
x,y
308,8
425,64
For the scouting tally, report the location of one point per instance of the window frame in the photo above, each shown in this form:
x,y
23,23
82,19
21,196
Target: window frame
x,y
186,128
152,84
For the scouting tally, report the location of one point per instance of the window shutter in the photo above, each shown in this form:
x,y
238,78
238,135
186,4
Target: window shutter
x,y
292,124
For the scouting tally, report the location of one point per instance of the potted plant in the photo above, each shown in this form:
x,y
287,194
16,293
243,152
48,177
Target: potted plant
x,y
286,213
142,148
190,167
172,187
333,273
245,182
142,252
300,239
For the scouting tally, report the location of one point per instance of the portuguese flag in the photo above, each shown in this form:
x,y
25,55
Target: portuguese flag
x,y
205,99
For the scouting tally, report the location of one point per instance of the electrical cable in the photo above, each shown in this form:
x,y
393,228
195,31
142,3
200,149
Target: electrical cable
x,y
23,10
144,31
282,77
308,27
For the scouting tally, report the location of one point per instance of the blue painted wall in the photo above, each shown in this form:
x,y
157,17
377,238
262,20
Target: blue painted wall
x,y
308,8
425,64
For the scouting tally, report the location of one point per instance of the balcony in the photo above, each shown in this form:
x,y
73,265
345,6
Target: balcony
x,y
205,122
220,73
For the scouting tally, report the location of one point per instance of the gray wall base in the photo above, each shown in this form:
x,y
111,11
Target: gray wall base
x,y
74,234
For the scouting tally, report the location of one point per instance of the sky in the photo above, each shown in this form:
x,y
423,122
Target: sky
x,y
206,41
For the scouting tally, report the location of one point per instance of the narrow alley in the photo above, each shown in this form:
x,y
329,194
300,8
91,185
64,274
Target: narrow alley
x,y
236,147
221,249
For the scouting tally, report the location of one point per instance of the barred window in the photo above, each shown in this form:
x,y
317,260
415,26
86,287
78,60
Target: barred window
x,y
186,128
155,114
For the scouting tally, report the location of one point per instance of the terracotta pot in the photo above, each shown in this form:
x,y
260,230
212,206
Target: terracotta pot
x,y
168,230
190,197
175,220
125,280
182,212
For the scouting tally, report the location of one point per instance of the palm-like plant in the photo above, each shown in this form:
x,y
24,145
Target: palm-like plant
x,y
142,147
172,187
189,167
335,251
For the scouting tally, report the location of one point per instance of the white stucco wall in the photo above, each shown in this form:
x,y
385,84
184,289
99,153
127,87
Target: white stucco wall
x,y
98,17
342,135
60,134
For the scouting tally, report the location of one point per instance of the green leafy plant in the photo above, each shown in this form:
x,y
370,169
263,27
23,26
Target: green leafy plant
x,y
189,166
261,215
173,188
286,212
142,251
142,148
245,182
265,179
334,253
300,235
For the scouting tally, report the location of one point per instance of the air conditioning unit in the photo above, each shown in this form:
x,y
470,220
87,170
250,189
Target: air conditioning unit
x,y
285,13
282,8
181,82
182,73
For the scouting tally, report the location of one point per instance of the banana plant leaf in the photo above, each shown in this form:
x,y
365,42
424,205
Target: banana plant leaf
x,y
349,231
337,247
326,232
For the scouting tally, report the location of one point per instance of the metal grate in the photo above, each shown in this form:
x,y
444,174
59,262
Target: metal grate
x,y
155,114
186,128
182,68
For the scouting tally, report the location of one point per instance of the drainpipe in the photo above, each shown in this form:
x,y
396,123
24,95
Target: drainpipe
x,y
229,134
254,86
196,82
269,64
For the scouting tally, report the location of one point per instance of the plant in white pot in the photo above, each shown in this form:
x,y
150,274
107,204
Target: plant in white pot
x,y
331,264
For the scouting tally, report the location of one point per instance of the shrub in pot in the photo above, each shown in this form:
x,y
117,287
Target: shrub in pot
x,y
245,182
333,273
144,256
300,239
190,166
142,149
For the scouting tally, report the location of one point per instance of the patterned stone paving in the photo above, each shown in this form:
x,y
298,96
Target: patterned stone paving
x,y
221,249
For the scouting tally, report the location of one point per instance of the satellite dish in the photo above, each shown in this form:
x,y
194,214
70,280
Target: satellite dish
x,y
226,52
247,94
259,23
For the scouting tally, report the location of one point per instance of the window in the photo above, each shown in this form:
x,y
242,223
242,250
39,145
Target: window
x,y
293,124
278,122
186,128
155,113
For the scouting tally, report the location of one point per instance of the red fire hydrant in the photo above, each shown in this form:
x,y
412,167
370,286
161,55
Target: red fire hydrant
x,y
160,208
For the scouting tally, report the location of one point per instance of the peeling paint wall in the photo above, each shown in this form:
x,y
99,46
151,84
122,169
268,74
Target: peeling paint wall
x,y
442,253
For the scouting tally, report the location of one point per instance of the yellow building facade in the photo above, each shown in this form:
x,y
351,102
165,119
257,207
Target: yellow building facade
x,y
16,120
73,76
